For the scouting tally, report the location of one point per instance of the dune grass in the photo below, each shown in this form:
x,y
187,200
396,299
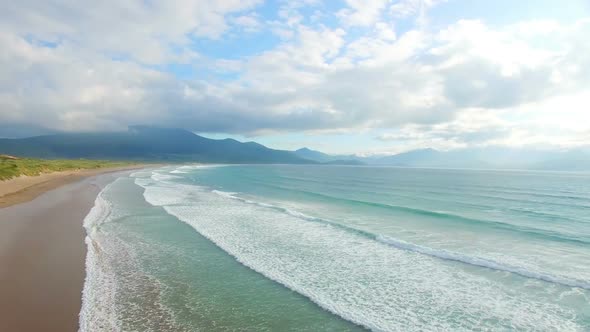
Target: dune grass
x,y
11,167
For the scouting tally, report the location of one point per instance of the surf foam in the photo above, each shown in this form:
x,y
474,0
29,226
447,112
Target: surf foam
x,y
368,282
98,295
438,253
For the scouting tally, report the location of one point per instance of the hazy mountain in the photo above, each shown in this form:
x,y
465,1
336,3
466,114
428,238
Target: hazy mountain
x,y
411,158
160,144
22,131
480,158
327,158
147,143
350,162
313,155
518,158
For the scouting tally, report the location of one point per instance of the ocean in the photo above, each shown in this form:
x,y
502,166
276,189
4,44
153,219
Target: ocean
x,y
338,248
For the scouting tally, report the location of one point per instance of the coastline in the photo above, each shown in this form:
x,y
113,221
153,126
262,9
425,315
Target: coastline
x,y
42,250
26,188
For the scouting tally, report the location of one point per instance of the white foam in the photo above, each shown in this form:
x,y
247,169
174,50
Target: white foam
x,y
368,282
188,168
164,177
115,280
98,295
438,253
225,194
482,262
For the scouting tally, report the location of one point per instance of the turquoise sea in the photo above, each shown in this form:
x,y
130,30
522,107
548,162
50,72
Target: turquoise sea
x,y
339,248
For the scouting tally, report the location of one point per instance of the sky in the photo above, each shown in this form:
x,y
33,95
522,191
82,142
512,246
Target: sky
x,y
341,76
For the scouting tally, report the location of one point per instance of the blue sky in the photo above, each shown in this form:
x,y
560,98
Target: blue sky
x,y
347,76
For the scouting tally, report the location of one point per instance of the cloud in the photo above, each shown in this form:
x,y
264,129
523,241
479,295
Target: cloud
x,y
248,22
75,67
471,127
415,8
150,32
555,122
362,13
406,8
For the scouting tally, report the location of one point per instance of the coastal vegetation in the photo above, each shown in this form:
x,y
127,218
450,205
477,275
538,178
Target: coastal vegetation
x,y
11,166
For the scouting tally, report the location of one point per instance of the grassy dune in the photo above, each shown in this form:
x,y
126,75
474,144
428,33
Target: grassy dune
x,y
11,167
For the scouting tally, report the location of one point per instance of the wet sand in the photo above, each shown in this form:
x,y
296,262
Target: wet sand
x,y
26,188
42,254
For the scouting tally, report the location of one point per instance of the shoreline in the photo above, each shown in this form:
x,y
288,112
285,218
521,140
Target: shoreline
x,y
26,188
43,253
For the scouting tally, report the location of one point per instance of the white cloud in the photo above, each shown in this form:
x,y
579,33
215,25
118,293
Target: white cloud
x,y
249,22
149,32
404,8
362,13
554,122
468,83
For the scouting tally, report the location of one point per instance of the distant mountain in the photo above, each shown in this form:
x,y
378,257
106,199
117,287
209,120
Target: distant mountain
x,y
350,162
327,158
490,158
477,158
411,158
162,144
147,143
313,155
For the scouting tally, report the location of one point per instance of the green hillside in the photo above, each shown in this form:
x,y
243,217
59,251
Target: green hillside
x,y
142,143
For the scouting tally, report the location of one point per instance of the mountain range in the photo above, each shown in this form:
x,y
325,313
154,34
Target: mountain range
x,y
145,143
477,158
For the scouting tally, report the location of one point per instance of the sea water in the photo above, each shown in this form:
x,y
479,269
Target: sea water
x,y
338,248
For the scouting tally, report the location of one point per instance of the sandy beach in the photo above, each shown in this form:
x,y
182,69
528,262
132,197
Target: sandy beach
x,y
42,249
26,188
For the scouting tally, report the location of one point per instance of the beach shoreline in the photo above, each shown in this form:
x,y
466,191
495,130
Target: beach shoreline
x,y
42,249
26,188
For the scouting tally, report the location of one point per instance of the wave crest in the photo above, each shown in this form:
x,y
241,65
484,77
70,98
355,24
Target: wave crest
x,y
437,253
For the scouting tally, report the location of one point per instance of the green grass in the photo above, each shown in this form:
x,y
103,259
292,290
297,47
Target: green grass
x,y
11,167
